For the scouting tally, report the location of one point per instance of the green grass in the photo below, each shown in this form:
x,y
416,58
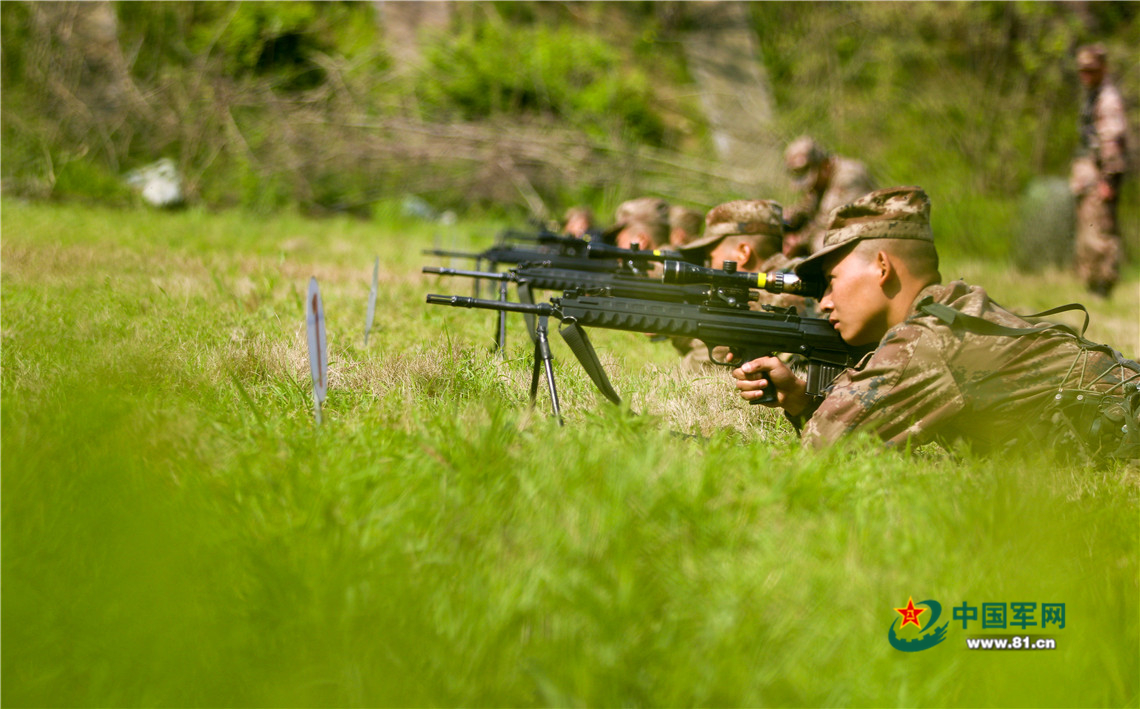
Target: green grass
x,y
176,531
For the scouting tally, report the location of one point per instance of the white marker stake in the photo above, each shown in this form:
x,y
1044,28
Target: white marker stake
x,y
318,346
372,300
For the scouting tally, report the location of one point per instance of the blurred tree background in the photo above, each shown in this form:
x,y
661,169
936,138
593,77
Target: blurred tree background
x,y
526,107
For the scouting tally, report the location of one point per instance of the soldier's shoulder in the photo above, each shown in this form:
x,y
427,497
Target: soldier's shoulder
x,y
958,295
853,173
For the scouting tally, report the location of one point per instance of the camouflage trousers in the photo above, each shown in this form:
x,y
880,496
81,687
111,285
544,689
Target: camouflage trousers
x,y
1098,248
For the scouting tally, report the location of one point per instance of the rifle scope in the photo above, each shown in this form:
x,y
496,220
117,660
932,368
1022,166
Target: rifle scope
x,y
729,277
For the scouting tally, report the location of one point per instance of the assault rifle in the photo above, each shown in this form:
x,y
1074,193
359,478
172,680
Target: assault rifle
x,y
681,283
745,333
562,258
570,252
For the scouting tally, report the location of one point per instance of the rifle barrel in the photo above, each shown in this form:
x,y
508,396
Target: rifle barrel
x,y
460,301
456,254
489,275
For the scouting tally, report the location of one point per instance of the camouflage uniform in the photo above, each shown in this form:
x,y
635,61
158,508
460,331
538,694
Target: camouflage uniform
x,y
961,367
932,380
828,182
1103,129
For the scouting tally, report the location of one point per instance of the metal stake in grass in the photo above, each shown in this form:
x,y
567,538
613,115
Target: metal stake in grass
x,y
372,300
318,346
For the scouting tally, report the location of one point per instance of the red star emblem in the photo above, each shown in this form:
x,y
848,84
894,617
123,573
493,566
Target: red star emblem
x,y
910,613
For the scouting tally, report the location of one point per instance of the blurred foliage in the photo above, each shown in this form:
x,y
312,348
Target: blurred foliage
x,y
970,100
274,104
492,68
994,78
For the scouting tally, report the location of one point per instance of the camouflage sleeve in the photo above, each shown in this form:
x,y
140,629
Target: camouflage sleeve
x,y
904,391
1111,127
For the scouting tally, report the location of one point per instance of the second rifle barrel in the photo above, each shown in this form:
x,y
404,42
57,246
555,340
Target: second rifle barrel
x,y
460,301
493,276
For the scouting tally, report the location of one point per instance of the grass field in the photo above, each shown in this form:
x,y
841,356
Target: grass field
x,y
178,532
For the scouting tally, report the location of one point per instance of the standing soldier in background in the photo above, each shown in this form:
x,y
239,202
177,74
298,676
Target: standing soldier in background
x,y
827,181
684,225
1097,173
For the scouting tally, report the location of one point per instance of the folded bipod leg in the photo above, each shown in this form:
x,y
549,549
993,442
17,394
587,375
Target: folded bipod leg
x,y
544,360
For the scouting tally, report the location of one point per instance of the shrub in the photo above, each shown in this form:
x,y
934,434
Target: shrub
x,y
494,68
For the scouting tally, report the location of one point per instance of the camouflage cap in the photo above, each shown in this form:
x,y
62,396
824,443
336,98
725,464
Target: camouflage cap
x,y
649,213
742,217
892,213
644,210
1092,56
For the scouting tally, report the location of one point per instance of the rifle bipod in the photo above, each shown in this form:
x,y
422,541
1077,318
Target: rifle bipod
x,y
543,359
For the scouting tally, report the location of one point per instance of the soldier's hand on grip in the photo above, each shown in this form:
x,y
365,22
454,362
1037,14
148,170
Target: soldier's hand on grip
x,y
755,377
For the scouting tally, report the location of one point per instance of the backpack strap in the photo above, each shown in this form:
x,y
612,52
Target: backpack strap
x,y
950,316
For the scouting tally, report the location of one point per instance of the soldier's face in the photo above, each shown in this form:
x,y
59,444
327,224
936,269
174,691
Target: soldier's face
x,y
854,301
630,236
1091,76
577,225
728,250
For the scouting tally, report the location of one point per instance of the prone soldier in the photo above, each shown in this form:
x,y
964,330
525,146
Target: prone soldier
x,y
748,233
951,364
642,222
579,222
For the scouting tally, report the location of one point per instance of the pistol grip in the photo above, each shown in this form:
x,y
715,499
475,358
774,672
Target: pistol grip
x,y
769,397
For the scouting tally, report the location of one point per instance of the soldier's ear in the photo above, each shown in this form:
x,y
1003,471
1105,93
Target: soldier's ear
x,y
885,266
744,255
